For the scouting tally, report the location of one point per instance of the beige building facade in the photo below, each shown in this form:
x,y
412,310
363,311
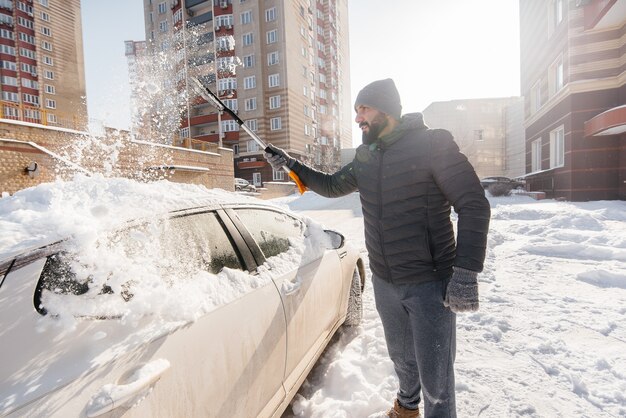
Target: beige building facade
x,y
488,131
282,65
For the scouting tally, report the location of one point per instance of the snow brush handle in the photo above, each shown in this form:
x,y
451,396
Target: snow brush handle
x,y
210,97
291,174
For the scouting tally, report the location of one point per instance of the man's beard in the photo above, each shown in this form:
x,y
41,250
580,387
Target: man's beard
x,y
378,124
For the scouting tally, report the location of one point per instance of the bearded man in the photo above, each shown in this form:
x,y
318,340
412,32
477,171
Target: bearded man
x,y
409,177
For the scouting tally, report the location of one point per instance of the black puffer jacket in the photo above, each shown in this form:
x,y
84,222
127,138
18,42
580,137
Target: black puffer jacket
x,y
407,181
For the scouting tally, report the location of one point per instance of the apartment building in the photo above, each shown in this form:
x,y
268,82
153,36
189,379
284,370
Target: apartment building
x,y
42,74
573,76
488,131
282,65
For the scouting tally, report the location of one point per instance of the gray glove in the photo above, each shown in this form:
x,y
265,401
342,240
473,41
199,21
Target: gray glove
x,y
462,291
278,158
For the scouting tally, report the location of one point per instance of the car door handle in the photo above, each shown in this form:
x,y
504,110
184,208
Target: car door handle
x,y
112,396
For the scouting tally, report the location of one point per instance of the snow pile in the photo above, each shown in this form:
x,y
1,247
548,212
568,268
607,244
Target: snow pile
x,y
549,339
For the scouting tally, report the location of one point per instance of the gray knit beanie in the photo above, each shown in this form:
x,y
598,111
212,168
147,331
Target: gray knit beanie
x,y
381,95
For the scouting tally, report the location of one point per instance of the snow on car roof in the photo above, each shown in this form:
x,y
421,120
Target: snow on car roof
x,y
88,204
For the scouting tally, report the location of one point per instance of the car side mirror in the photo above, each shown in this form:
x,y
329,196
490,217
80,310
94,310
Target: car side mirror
x,y
336,239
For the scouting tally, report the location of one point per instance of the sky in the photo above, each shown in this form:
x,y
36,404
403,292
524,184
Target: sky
x,y
549,339
435,50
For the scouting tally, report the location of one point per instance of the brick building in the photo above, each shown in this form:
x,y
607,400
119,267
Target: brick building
x,y
573,76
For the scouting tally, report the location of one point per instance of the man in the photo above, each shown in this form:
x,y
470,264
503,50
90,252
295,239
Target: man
x,y
408,177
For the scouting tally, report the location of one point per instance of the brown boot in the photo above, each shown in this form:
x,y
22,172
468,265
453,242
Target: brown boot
x,y
398,411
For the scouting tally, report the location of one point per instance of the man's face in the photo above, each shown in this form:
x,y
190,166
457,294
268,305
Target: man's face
x,y
371,121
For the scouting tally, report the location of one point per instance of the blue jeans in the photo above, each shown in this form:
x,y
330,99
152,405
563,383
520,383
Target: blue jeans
x,y
421,339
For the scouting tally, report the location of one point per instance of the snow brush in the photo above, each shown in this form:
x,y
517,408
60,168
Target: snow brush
x,y
210,97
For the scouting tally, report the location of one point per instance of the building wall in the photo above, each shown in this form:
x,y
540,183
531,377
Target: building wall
x,y
593,80
313,61
49,64
479,127
58,155
515,147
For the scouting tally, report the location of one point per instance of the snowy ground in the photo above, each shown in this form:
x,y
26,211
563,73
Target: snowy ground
x,y
549,339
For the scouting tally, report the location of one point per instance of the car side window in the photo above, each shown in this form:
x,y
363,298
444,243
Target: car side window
x,y
271,229
201,240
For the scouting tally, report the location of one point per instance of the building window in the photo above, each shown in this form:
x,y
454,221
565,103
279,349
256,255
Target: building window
x,y
31,84
252,124
535,97
224,20
9,96
6,49
236,149
48,74
274,80
271,36
28,53
52,118
48,60
6,34
249,82
247,38
250,104
272,58
478,135
535,164
163,26
274,102
46,45
307,130
555,15
270,14
162,8
275,124
246,17
9,81
231,104
557,147
51,104
46,31
555,76
229,126
184,132
248,61
45,17
31,99
43,3
227,84
252,146
278,175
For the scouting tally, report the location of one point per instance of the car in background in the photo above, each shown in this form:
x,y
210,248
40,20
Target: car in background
x,y
505,181
277,303
243,185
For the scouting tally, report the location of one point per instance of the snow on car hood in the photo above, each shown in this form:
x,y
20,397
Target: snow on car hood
x,y
86,209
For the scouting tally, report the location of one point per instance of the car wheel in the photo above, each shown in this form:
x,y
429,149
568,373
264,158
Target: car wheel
x,y
355,302
237,189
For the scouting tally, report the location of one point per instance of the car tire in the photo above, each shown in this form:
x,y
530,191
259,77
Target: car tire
x,y
355,301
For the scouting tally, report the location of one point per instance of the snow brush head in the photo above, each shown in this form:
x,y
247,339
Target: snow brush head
x,y
381,95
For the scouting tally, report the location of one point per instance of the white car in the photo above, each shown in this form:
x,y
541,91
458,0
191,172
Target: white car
x,y
249,295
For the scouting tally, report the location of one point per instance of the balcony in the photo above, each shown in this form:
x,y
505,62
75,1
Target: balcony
x,y
246,165
200,19
192,3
